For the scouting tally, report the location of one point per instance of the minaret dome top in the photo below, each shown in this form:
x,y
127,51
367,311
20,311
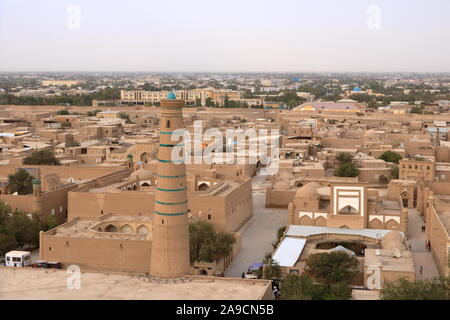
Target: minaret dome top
x,y
171,96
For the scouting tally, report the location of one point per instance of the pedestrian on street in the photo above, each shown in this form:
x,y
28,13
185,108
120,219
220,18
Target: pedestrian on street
x,y
421,270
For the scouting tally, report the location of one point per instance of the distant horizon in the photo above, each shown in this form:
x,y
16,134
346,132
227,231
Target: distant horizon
x,y
252,36
237,72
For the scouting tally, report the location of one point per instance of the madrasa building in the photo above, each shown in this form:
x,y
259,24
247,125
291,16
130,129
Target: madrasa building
x,y
137,220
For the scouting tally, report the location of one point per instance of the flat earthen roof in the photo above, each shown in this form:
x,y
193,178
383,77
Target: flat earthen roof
x,y
45,284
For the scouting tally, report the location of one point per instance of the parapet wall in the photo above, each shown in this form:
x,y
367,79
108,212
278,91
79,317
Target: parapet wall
x,y
279,198
64,172
97,254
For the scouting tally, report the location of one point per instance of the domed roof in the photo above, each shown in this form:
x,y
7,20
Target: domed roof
x,y
393,240
308,191
393,235
171,96
282,185
357,89
370,132
142,174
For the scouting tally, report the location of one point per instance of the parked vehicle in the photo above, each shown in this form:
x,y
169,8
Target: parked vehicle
x,y
40,264
18,259
54,265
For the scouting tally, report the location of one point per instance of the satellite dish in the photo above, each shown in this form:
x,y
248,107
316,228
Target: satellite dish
x,y
71,180
378,252
397,253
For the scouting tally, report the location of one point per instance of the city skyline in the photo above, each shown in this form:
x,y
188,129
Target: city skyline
x,y
296,36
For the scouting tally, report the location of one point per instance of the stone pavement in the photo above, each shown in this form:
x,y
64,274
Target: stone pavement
x,y
417,240
257,239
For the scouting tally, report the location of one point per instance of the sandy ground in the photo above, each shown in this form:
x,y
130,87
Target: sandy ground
x,y
27,283
257,239
421,256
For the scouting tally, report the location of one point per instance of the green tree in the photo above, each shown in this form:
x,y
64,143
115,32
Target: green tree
x,y
17,229
72,144
51,222
337,291
373,104
430,289
21,182
344,157
390,156
395,172
200,234
7,243
300,287
5,211
42,157
347,169
417,110
126,117
78,100
303,287
280,233
209,102
206,244
93,113
63,112
223,244
272,269
25,230
331,268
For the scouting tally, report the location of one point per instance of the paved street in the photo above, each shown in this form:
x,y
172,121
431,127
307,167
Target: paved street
x,y
421,256
257,239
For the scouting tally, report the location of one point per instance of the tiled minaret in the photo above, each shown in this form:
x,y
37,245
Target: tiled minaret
x,y
170,237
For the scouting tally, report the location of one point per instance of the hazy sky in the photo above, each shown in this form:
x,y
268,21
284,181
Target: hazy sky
x,y
219,35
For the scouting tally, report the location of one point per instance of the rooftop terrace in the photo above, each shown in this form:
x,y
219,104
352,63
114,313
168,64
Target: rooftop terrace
x,y
51,285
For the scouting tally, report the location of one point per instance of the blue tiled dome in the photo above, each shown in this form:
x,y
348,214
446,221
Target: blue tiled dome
x,y
171,96
357,89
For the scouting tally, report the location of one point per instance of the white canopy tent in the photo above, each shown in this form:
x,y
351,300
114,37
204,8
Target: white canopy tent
x,y
289,251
